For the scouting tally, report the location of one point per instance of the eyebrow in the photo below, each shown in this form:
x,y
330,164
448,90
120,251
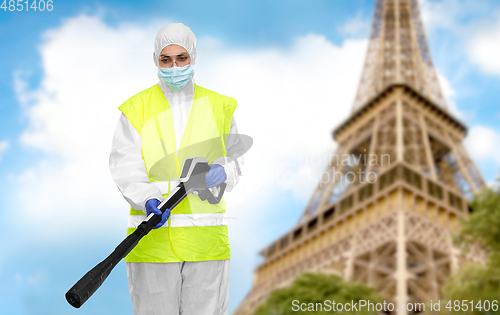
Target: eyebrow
x,y
181,54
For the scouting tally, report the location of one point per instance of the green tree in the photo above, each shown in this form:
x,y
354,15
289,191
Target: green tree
x,y
316,288
478,282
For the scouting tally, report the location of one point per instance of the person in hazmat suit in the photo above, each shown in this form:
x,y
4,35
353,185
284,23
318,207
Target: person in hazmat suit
x,y
182,265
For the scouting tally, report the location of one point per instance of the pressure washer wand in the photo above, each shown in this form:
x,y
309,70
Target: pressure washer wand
x,y
192,179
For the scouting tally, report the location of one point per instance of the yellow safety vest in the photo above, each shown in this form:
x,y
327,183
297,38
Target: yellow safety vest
x,y
196,230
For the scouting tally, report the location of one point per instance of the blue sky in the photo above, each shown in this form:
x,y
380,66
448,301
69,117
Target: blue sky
x,y
61,210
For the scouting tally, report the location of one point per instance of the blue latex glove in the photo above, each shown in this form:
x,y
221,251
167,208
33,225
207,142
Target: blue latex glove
x,y
152,206
215,176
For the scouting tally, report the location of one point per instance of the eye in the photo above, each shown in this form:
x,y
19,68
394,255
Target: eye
x,y
165,60
183,58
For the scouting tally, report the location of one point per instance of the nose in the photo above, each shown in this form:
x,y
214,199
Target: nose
x,y
173,61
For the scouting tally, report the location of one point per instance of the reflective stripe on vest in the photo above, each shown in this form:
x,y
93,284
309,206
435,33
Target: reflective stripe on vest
x,y
183,220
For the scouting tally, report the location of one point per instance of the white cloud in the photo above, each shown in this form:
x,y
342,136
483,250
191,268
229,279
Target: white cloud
x,y
482,144
354,27
32,279
479,36
446,87
449,94
452,15
439,14
4,145
484,46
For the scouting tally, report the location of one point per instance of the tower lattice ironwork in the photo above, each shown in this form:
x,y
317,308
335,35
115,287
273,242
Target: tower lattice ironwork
x,y
396,186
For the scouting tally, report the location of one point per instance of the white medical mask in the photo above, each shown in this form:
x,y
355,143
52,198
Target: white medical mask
x,y
176,77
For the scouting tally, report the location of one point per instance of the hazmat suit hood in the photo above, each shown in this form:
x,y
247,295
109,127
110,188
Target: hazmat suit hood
x,y
175,34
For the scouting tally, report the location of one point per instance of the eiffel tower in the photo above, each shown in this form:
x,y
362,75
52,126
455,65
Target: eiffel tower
x,y
396,186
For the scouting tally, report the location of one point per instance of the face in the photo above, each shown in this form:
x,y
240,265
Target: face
x,y
174,55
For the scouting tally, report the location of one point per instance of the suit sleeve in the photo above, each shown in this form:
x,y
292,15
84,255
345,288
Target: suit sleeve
x,y
127,166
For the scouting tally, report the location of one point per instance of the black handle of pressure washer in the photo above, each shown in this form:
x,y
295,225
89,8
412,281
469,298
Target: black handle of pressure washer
x,y
92,280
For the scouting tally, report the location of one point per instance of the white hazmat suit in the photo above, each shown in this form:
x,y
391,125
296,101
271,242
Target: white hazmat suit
x,y
186,288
